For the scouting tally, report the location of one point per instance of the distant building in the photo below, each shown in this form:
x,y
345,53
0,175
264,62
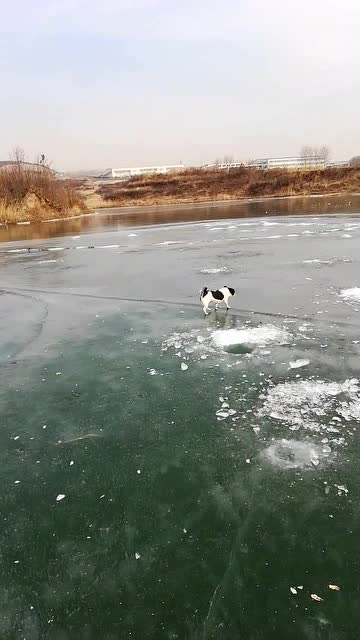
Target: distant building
x,y
292,162
128,172
223,165
339,163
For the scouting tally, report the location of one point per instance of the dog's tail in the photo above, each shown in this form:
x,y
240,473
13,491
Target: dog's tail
x,y
203,293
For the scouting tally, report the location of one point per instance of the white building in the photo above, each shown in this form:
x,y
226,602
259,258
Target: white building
x,y
339,163
128,172
292,162
223,166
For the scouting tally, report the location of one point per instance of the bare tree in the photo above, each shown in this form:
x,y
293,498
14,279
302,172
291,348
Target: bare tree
x,y
306,153
324,153
228,159
313,156
18,156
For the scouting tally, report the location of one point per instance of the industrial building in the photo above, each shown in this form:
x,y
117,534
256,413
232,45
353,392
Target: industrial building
x,y
292,162
223,165
129,172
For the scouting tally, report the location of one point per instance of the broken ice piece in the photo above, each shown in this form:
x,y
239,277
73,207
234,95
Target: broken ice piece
x,y
315,597
293,591
221,415
296,364
334,587
342,490
137,556
60,497
184,366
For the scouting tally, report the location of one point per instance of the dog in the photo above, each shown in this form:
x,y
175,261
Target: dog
x,y
220,295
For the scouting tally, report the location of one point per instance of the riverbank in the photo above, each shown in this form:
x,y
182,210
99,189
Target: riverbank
x,y
39,197
197,185
35,193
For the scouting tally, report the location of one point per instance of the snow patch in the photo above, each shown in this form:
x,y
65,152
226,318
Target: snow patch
x,y
353,294
253,336
215,270
46,261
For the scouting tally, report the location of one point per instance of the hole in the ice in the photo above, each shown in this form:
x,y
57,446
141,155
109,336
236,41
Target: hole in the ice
x,y
239,348
295,454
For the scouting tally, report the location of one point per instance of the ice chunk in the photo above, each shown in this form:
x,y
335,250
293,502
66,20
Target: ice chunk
x,y
304,402
315,597
297,364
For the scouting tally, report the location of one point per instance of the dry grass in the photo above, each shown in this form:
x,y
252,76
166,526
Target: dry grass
x,y
9,213
34,193
29,193
197,185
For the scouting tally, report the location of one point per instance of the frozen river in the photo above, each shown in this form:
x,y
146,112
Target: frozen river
x,y
167,476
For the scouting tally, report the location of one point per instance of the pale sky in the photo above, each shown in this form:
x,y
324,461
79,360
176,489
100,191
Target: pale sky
x,y
101,83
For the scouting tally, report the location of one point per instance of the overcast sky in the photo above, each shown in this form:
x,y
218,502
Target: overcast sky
x,y
100,83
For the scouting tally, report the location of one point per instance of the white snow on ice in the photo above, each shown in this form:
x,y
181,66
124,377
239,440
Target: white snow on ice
x,y
258,336
352,294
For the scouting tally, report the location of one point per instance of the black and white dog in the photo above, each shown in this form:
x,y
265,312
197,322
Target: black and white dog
x,y
220,295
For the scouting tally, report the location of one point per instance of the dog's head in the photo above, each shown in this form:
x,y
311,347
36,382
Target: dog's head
x,y
232,291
